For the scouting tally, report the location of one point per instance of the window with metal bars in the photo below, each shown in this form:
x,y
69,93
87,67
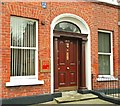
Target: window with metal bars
x,y
23,46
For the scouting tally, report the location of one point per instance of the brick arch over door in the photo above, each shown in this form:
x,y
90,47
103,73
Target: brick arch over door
x,y
84,30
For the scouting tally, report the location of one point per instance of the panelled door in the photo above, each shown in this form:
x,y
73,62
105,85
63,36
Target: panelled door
x,y
67,62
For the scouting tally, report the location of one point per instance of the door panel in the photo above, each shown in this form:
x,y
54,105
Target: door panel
x,y
62,79
72,78
62,74
67,62
61,48
73,62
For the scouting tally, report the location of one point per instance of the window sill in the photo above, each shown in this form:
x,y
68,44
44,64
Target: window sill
x,y
24,82
107,78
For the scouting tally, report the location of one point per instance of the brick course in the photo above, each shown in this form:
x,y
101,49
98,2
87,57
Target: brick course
x,y
97,16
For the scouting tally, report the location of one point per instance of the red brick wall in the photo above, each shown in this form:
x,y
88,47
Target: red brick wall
x,y
96,16
119,39
29,10
106,18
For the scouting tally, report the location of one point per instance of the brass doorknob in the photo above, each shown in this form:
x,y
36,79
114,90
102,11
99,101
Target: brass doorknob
x,y
68,68
58,68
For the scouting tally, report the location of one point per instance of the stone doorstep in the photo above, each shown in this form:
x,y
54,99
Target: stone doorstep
x,y
75,97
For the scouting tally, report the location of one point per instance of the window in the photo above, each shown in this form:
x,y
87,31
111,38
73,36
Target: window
x,y
105,58
68,27
23,46
24,52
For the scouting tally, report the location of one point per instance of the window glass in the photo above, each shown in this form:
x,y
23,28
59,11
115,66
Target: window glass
x,y
22,32
104,64
68,27
104,44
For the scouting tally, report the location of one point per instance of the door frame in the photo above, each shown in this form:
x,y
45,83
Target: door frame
x,y
79,38
81,23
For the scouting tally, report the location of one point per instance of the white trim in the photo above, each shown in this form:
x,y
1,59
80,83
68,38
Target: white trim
x,y
104,53
85,30
111,54
111,57
119,23
104,31
15,47
36,52
106,78
24,82
23,18
22,77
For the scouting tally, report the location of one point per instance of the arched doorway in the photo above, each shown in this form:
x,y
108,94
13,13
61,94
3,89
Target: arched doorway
x,y
69,37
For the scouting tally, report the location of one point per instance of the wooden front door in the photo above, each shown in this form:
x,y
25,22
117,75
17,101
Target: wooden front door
x,y
69,60
66,72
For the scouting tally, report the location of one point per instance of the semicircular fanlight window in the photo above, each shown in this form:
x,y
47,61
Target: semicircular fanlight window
x,y
67,27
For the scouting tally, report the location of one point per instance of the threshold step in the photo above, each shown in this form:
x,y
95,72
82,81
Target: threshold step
x,y
75,97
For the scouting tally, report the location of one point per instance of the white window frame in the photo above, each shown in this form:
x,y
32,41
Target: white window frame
x,y
27,80
110,54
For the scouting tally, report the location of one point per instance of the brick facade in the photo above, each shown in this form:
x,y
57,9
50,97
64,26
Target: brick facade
x,y
119,39
97,16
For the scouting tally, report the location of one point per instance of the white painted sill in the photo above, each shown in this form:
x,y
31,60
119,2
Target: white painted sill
x,y
22,82
106,78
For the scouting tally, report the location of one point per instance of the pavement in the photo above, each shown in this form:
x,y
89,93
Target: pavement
x,y
72,97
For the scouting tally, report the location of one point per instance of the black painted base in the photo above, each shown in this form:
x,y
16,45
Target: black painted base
x,y
29,100
102,95
109,91
83,91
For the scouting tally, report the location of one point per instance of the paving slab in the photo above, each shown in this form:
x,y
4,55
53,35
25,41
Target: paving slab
x,y
75,97
51,102
90,101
